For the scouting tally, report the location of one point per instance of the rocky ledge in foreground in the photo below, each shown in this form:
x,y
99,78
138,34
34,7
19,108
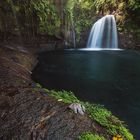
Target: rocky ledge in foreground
x,y
28,112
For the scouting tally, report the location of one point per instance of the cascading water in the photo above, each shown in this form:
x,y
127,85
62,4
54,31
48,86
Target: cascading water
x,y
104,34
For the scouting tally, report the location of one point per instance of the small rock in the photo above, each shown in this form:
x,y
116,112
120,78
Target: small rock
x,y
77,108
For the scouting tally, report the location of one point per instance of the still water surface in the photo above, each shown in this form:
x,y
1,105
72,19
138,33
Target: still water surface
x,y
110,78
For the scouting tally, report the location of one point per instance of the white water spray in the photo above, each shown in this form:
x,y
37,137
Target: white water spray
x,y
104,34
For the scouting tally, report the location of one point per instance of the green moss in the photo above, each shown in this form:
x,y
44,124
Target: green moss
x,y
125,132
67,97
96,112
38,85
105,118
90,136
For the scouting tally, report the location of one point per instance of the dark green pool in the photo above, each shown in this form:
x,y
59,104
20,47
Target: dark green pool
x,y
111,78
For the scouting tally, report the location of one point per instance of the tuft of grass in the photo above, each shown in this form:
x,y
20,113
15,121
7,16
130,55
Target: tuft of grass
x,y
125,132
96,112
106,119
90,136
38,85
67,97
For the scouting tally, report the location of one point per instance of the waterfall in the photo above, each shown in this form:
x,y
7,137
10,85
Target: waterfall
x,y
104,33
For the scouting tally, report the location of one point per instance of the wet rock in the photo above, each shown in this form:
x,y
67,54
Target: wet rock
x,y
4,103
26,114
77,108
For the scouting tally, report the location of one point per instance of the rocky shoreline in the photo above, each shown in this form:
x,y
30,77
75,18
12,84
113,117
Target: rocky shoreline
x,y
28,112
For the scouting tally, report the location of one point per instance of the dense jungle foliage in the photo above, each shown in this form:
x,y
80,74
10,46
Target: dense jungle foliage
x,y
32,18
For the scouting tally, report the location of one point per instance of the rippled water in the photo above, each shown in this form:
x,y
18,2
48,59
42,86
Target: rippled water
x,y
111,78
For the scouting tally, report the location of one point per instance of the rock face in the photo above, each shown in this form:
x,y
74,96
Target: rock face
x,y
27,112
77,108
129,41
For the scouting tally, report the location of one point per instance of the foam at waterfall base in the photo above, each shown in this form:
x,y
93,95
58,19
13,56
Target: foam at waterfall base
x,y
100,49
96,49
